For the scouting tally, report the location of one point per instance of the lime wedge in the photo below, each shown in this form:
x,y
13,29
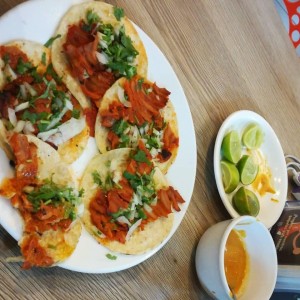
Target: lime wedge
x,y
230,176
248,169
245,202
232,147
252,137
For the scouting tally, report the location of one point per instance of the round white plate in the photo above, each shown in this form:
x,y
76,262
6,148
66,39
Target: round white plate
x,y
37,20
270,210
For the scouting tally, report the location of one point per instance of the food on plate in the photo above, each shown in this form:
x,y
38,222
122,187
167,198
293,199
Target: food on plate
x,y
232,147
128,202
248,169
136,110
97,45
244,167
47,200
252,136
230,176
236,262
33,100
245,202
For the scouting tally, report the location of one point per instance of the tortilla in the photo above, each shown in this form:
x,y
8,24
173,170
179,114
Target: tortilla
x,y
40,57
140,241
74,16
57,243
168,113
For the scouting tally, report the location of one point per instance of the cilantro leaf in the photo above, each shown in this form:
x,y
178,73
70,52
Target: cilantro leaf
x,y
96,178
120,126
23,67
51,40
111,257
76,113
50,193
44,58
119,13
92,17
140,156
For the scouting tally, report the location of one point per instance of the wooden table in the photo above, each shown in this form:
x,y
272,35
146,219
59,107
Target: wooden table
x,y
229,55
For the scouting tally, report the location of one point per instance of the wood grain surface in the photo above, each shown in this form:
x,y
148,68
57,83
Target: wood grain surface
x,y
229,55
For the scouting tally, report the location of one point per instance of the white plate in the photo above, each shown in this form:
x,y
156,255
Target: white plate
x,y
36,20
270,211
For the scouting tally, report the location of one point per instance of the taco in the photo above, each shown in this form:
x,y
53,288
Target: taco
x,y
47,200
97,44
33,100
128,202
138,110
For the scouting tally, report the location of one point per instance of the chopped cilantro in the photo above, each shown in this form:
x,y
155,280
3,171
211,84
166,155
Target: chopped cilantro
x,y
119,13
120,126
23,67
51,40
34,117
96,178
110,256
92,17
124,141
43,126
140,83
44,58
140,156
76,113
120,51
50,193
50,71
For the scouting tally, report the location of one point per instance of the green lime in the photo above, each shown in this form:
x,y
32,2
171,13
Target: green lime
x,y
230,176
245,202
248,169
232,147
252,137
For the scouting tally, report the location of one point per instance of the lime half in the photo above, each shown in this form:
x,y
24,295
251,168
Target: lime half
x,y
252,137
232,147
248,169
245,202
230,176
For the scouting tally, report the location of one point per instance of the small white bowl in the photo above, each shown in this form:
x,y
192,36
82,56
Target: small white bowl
x,y
262,255
270,210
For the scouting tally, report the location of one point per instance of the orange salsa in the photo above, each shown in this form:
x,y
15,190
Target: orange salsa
x,y
236,262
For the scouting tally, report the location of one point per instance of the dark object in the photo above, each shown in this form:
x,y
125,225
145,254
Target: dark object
x,y
286,234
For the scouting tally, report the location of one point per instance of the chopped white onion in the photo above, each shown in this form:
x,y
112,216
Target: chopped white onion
x,y
12,116
136,199
21,106
57,119
117,176
147,208
153,152
20,125
154,201
23,91
9,73
69,105
103,44
123,220
28,128
121,96
30,89
46,134
67,131
102,57
133,228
